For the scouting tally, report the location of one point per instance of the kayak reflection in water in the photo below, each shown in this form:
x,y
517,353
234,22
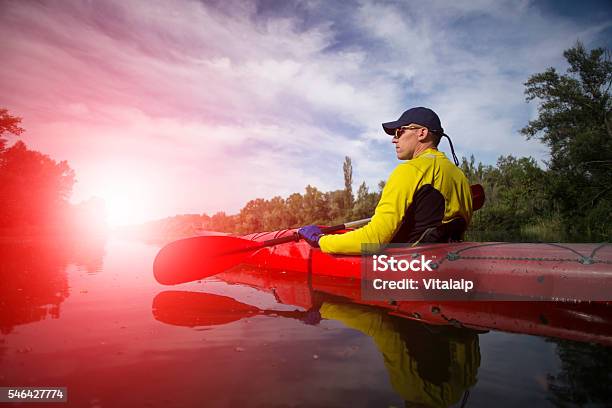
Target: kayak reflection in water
x,y
427,198
428,366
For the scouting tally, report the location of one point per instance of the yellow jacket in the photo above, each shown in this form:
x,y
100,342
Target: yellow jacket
x,y
425,192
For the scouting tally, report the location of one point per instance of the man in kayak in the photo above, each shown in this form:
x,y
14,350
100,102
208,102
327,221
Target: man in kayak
x,y
426,198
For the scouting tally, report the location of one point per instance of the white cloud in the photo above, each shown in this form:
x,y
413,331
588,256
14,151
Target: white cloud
x,y
275,102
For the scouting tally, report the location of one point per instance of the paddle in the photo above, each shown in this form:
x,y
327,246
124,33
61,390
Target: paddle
x,y
197,309
478,196
196,258
199,257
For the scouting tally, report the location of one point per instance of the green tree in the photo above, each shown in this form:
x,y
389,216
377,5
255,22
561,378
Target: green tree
x,y
251,216
481,174
336,202
516,197
519,195
347,169
315,207
275,216
366,202
294,206
523,185
575,122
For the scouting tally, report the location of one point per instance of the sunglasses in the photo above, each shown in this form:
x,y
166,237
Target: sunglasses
x,y
400,131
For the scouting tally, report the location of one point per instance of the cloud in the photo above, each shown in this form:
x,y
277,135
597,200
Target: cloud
x,y
267,99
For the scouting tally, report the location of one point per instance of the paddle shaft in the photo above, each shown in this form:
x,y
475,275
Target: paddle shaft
x,y
326,230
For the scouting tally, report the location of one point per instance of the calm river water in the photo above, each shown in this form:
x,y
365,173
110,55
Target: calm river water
x,y
89,316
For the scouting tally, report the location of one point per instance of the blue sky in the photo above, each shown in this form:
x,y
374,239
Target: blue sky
x,y
201,106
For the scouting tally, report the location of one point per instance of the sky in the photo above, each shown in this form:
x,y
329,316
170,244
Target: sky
x,y
175,107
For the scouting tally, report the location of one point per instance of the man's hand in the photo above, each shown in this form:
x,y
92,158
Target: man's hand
x,y
311,233
312,316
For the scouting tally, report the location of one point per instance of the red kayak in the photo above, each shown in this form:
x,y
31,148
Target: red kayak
x,y
498,270
448,271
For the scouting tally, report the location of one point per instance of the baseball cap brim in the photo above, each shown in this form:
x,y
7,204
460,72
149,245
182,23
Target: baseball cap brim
x,y
390,127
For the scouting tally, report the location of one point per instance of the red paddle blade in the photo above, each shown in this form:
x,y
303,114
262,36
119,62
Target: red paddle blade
x,y
193,309
190,259
478,196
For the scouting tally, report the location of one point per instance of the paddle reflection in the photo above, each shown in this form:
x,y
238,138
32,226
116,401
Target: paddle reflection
x,y
194,309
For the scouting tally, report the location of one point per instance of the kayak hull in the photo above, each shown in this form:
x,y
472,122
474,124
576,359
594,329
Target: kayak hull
x,y
500,271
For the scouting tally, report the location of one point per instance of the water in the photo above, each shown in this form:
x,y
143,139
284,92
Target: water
x,y
88,315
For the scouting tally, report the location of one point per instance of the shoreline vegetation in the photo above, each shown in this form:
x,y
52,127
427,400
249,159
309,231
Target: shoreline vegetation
x,y
339,206
568,200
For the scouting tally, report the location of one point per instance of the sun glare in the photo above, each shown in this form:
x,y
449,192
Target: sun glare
x,y
127,202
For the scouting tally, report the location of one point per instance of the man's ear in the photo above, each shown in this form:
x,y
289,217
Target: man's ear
x,y
424,133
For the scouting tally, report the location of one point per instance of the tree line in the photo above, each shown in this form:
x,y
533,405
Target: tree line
x,y
35,189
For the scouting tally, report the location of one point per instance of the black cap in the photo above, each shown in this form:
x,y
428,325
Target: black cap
x,y
420,116
424,117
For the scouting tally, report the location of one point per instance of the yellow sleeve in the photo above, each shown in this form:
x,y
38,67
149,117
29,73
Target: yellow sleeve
x,y
395,199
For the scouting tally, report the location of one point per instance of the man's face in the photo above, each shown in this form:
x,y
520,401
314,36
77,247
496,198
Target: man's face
x,y
406,140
